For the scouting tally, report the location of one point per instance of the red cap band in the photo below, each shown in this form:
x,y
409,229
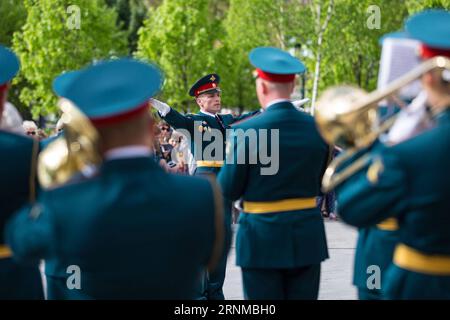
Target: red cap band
x,y
275,77
3,87
98,122
429,52
205,87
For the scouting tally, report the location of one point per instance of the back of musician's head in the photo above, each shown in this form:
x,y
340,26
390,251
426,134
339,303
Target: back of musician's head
x,y
138,130
268,91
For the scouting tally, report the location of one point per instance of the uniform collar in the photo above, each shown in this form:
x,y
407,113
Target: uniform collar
x,y
208,113
443,116
135,151
276,101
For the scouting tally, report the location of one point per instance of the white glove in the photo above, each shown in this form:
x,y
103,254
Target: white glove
x,y
163,108
299,103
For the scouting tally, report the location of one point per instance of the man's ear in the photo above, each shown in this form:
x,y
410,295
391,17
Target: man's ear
x,y
199,101
264,87
293,85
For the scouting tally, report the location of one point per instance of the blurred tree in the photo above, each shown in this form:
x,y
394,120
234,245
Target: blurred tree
x,y
177,35
219,8
138,13
130,17
352,51
322,13
249,24
337,41
189,38
414,6
62,35
13,17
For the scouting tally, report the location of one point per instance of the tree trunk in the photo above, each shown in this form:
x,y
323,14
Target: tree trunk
x,y
369,75
322,29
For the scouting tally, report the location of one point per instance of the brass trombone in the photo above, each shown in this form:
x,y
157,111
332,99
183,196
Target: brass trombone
x,y
346,116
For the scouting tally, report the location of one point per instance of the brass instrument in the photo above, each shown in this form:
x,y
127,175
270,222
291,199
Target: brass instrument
x,y
72,153
347,117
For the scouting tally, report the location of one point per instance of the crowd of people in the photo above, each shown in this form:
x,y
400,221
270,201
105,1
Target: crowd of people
x,y
12,121
172,149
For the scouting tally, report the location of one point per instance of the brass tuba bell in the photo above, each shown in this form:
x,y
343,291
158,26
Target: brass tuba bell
x,y
72,153
347,117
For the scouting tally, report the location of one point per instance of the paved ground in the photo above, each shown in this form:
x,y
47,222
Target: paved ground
x,y
336,271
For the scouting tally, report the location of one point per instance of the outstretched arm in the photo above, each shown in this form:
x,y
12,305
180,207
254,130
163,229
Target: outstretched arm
x,y
173,117
245,115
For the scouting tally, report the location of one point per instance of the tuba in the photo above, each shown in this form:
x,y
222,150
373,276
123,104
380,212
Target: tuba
x,y
72,153
347,117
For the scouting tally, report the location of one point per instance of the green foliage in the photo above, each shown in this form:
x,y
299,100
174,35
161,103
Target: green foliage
x,y
414,6
352,50
49,44
178,37
190,38
138,13
130,17
13,17
249,24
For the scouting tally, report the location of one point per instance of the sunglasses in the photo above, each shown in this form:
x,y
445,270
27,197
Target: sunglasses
x,y
165,129
31,133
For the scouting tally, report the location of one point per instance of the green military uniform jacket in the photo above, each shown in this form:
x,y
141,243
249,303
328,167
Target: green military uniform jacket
x,y
292,238
199,127
125,231
408,181
16,169
17,181
375,245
